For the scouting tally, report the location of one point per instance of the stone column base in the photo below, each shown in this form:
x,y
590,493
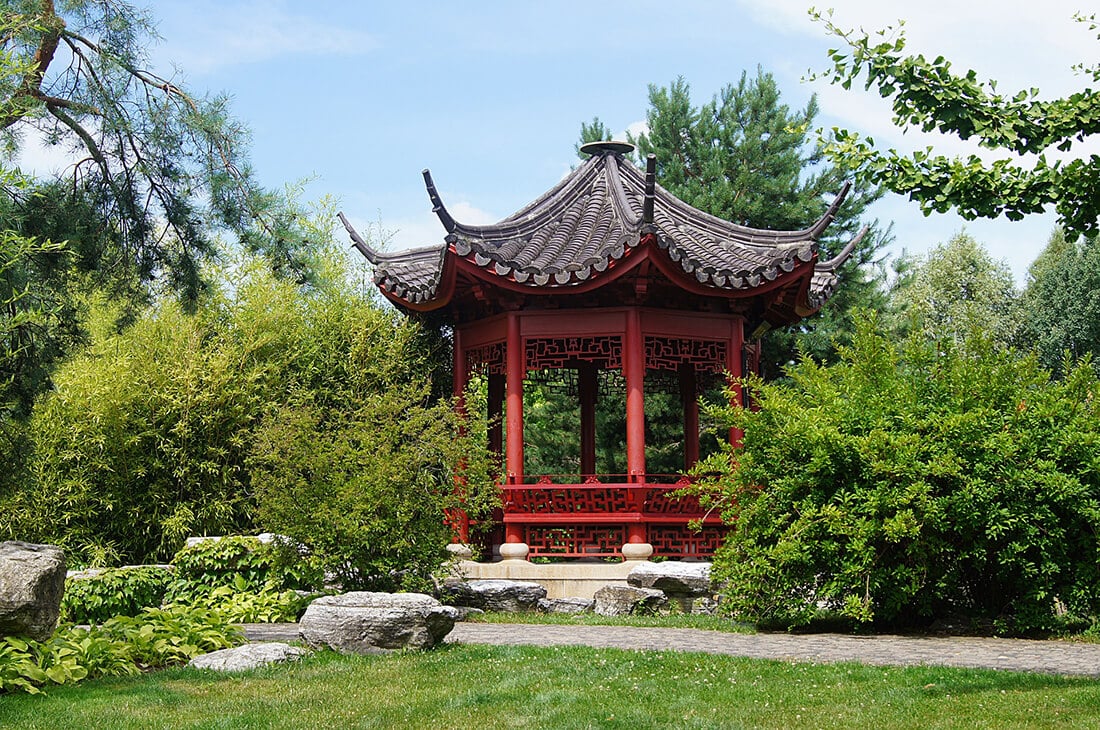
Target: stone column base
x,y
637,551
460,551
514,551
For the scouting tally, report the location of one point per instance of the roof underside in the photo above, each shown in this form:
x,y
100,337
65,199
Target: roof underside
x,y
600,214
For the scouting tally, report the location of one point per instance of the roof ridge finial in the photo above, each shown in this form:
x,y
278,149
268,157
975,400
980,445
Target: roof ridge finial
x,y
437,204
606,147
650,188
368,251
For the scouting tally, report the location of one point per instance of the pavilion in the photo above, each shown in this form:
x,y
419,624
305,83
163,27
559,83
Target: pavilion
x,y
606,274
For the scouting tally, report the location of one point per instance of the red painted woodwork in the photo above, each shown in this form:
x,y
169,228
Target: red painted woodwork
x,y
595,518
689,399
517,368
588,390
634,373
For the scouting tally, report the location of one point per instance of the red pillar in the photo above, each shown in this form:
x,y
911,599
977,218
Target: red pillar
x,y
689,396
517,370
634,374
461,520
587,390
733,367
496,413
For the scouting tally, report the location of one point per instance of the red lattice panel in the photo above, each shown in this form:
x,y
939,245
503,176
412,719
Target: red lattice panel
x,y
679,541
490,357
557,352
667,353
567,500
662,502
575,540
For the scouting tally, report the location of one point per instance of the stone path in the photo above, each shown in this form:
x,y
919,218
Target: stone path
x,y
1050,657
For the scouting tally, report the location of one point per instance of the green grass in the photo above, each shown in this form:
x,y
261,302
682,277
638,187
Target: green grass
x,y
570,687
670,621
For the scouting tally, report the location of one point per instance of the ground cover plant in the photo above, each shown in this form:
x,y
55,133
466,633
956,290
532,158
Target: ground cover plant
x,y
566,687
123,645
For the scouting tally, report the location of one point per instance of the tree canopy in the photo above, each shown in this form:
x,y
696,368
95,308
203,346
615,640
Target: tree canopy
x,y
1061,303
928,94
160,168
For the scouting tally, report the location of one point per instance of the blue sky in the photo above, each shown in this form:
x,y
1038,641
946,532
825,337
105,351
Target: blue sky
x,y
361,96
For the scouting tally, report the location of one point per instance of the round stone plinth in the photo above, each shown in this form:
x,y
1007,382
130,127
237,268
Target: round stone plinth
x,y
637,551
460,551
514,551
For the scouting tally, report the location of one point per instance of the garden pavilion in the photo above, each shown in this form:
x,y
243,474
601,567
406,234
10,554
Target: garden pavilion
x,y
617,283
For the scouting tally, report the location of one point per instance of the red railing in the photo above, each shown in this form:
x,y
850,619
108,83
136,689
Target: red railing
x,y
592,517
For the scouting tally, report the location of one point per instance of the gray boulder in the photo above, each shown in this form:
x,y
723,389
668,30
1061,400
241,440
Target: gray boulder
x,y
617,600
566,605
368,623
673,577
495,595
32,581
249,656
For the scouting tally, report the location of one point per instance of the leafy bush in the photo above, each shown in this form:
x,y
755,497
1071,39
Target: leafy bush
x,y
367,486
913,482
114,592
150,435
228,560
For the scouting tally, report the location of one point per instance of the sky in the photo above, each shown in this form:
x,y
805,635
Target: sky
x,y
356,98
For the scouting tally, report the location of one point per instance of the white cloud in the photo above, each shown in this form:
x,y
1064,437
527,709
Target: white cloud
x,y
637,128
214,36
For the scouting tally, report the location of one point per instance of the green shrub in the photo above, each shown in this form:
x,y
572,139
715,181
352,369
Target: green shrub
x,y
114,592
228,560
913,482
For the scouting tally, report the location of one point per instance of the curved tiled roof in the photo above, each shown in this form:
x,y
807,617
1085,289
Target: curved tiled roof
x,y
596,216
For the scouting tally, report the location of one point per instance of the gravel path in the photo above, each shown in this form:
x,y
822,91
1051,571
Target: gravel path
x,y
1050,657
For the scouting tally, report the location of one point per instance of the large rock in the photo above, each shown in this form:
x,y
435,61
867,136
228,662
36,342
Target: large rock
x,y
367,623
249,656
615,600
672,577
495,595
32,581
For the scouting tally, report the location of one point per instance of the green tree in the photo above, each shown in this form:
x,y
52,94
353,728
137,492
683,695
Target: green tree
x,y
1061,302
747,157
929,95
955,289
913,482
154,433
160,166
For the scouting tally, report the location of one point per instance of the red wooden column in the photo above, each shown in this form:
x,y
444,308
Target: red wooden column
x,y
496,413
634,374
587,390
689,396
461,520
516,371
516,365
733,367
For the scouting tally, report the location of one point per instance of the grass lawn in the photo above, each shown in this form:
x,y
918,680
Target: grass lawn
x,y
573,687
